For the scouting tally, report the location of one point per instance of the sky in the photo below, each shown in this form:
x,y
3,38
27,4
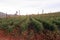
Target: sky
x,y
29,6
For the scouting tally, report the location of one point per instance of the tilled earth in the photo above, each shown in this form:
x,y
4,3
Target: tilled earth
x,y
45,35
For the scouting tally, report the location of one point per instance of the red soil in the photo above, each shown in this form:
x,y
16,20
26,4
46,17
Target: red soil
x,y
14,36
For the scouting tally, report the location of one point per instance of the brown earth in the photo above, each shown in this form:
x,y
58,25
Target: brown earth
x,y
34,36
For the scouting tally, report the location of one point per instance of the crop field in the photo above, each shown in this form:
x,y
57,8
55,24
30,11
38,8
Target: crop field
x,y
31,27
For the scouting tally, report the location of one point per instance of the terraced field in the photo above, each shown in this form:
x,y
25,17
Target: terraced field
x,y
31,27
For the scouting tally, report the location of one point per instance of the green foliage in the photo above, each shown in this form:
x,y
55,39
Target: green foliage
x,y
48,25
56,22
24,25
37,25
4,25
37,22
10,29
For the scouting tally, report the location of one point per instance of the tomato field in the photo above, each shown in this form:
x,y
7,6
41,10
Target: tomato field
x,y
31,27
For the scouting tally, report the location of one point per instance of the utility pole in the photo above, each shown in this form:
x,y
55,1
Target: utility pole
x,y
16,13
19,12
6,14
42,11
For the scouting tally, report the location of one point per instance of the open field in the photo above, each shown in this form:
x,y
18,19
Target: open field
x,y
31,27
